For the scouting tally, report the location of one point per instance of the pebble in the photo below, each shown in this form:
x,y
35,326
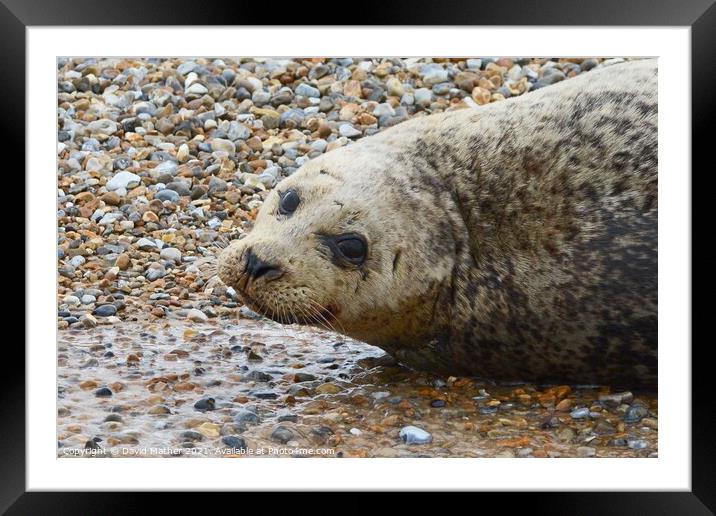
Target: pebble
x,y
307,90
180,187
217,184
183,153
105,311
103,392
423,97
192,436
604,428
586,451
328,388
123,180
167,195
238,131
160,410
210,430
614,400
77,261
525,452
650,422
196,315
103,126
155,272
247,416
171,254
123,261
221,145
637,444
196,89
580,413
282,434
88,321
205,404
565,434
395,87
164,169
349,131
435,76
71,300
415,435
234,441
146,244
635,413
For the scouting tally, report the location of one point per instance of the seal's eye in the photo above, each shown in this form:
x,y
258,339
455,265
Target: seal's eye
x,y
289,202
350,249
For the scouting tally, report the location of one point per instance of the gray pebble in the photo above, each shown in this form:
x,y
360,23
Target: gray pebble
x,y
637,444
307,90
167,195
247,416
171,254
105,310
282,434
205,404
87,299
234,441
580,413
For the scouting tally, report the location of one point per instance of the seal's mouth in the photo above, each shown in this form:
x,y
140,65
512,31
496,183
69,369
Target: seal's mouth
x,y
272,293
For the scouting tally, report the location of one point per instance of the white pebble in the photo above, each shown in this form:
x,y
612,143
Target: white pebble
x,y
196,315
125,180
414,435
171,254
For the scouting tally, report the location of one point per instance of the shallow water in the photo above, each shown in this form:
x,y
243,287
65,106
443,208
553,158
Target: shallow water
x,y
354,406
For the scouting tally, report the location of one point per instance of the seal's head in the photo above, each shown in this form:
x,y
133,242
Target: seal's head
x,y
340,244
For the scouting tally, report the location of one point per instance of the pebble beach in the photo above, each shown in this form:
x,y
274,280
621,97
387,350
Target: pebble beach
x,y
160,164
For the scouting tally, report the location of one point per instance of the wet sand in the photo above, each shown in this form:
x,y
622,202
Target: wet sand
x,y
245,388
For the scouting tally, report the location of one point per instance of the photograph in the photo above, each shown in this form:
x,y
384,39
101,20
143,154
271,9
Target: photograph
x,y
357,257
403,248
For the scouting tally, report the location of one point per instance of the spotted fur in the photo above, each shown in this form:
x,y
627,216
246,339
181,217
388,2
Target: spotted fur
x,y
515,241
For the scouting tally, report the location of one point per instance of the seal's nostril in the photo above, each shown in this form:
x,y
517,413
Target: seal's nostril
x,y
256,268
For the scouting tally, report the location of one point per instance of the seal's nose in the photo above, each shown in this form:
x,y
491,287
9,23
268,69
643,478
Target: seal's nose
x,y
257,268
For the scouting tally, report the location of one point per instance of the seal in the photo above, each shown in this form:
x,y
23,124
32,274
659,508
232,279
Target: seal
x,y
516,241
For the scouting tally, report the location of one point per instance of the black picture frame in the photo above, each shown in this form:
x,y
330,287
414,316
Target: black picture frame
x,y
699,15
